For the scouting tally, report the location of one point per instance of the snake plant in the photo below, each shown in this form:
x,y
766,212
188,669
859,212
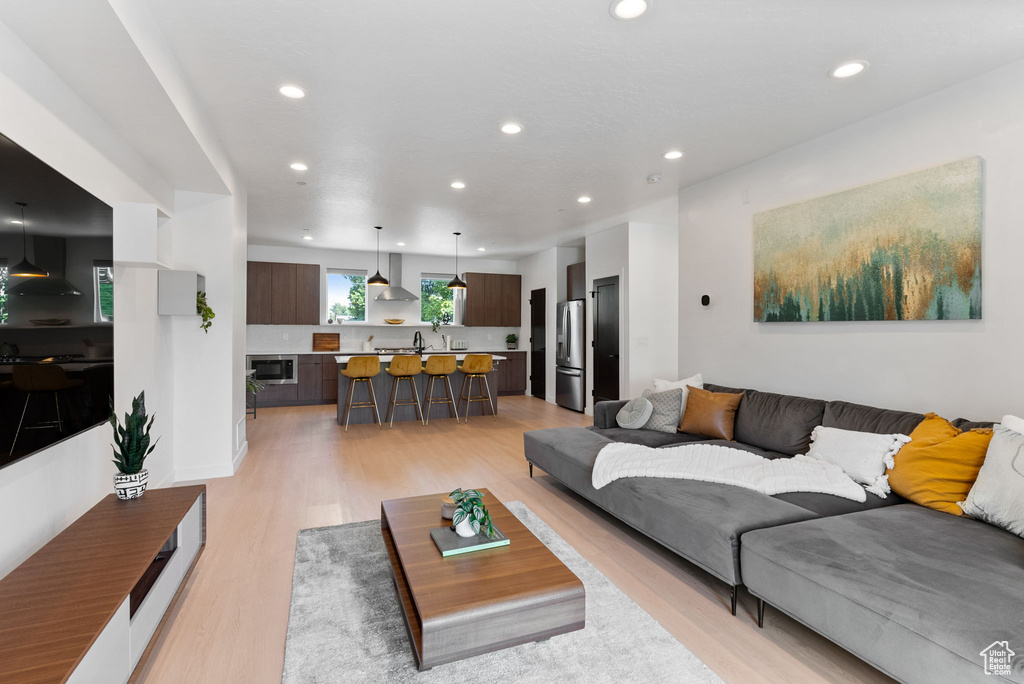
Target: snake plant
x,y
131,440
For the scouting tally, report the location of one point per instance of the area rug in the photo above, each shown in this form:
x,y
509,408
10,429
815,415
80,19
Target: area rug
x,y
346,626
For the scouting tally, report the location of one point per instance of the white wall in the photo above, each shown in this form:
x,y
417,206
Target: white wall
x,y
653,297
956,368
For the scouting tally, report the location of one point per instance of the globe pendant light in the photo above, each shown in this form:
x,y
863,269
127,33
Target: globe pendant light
x,y
25,268
377,278
457,283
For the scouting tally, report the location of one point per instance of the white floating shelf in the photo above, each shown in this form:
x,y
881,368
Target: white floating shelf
x,y
176,292
141,238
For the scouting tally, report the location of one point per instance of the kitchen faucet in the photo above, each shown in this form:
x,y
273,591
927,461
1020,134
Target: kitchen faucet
x,y
417,341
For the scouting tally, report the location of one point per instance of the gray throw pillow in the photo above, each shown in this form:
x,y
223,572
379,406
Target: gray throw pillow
x,y
997,496
635,414
666,411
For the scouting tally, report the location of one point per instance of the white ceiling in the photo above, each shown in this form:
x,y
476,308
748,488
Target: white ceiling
x,y
406,96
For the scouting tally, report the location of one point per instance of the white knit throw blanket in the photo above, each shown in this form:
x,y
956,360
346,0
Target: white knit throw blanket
x,y
724,465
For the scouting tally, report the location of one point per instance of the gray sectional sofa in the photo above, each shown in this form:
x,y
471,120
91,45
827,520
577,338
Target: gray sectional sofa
x,y
915,592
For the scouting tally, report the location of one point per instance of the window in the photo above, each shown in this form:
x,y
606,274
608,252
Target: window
x,y
346,295
436,300
103,291
3,291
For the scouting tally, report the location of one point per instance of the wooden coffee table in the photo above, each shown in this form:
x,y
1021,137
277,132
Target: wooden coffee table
x,y
478,602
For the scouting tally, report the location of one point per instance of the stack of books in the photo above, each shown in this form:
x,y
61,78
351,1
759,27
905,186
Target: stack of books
x,y
451,544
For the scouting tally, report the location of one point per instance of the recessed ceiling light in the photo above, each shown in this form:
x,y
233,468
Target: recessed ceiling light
x,y
16,222
848,69
307,237
511,128
301,183
481,249
294,92
629,9
458,185
583,200
400,244
299,166
673,154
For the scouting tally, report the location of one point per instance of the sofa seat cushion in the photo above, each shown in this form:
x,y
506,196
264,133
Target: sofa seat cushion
x,y
650,438
916,592
778,422
826,504
701,521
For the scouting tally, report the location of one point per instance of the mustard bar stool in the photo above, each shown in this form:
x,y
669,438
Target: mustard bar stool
x,y
476,366
439,367
361,369
404,367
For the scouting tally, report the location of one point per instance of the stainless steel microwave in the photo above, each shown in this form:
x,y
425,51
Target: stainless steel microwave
x,y
274,369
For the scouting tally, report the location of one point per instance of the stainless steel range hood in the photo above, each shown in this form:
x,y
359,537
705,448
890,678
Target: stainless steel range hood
x,y
395,293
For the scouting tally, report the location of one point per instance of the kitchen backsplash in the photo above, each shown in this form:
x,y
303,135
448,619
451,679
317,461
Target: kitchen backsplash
x,y
270,339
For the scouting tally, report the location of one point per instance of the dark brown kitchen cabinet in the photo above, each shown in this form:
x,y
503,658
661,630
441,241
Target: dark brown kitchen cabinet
x,y
258,292
329,379
493,300
277,395
307,294
282,294
511,373
576,281
310,382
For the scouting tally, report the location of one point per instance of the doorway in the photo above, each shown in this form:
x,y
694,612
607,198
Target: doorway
x,y
538,343
606,339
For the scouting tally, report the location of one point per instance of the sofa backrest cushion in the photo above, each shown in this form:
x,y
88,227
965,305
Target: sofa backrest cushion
x,y
777,422
847,416
722,389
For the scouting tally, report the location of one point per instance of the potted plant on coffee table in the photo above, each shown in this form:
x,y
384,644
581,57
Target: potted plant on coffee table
x,y
131,447
511,341
471,515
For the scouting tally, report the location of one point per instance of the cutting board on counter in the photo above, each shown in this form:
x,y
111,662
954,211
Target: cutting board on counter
x,y
326,342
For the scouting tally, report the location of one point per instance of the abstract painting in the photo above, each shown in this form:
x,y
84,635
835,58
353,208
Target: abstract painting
x,y
908,248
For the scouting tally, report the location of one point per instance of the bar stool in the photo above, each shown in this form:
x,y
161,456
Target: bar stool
x,y
439,367
404,367
476,366
361,369
41,378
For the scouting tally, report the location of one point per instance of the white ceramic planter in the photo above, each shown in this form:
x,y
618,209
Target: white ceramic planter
x,y
465,529
131,486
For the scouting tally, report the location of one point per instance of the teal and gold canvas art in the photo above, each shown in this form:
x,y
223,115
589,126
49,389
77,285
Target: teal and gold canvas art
x,y
907,248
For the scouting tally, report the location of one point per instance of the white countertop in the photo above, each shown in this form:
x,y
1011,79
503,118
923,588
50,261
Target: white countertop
x,y
386,358
358,352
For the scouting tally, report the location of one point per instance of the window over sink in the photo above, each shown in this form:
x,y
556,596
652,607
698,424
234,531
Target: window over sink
x,y
346,295
436,300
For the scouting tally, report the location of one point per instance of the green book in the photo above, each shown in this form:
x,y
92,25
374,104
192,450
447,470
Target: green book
x,y
451,544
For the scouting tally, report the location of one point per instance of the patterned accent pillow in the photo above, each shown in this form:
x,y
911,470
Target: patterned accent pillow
x,y
635,414
665,414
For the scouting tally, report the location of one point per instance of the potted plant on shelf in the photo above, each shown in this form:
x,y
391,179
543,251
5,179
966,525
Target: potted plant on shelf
x,y
511,340
471,515
131,447
204,310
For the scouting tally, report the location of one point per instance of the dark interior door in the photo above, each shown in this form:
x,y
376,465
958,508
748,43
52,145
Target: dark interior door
x,y
538,342
606,339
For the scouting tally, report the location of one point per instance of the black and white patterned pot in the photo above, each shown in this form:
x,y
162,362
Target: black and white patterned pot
x,y
131,486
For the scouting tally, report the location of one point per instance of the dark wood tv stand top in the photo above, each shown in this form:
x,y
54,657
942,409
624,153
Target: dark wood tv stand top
x,y
55,604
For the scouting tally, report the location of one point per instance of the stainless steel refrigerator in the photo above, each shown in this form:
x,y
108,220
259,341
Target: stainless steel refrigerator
x,y
570,361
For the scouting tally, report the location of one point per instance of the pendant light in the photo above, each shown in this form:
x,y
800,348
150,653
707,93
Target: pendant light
x,y
25,268
377,278
457,283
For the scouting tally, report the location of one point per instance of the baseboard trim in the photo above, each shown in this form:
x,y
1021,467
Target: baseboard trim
x,y
239,457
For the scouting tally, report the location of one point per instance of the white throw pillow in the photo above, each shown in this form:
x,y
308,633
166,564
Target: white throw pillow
x,y
693,381
635,414
997,496
1013,423
863,456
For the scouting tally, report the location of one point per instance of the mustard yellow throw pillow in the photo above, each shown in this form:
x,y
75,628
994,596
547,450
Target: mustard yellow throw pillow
x,y
940,464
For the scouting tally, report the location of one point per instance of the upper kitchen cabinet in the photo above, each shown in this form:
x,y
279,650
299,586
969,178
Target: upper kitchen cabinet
x,y
576,281
283,294
493,300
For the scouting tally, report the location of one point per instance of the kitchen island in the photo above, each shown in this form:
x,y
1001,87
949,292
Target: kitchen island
x,y
382,387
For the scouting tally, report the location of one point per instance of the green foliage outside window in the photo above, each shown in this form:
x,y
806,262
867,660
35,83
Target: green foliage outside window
x,y
354,309
105,285
436,301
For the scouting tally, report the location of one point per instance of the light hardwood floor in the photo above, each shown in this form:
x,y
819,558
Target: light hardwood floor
x,y
303,471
